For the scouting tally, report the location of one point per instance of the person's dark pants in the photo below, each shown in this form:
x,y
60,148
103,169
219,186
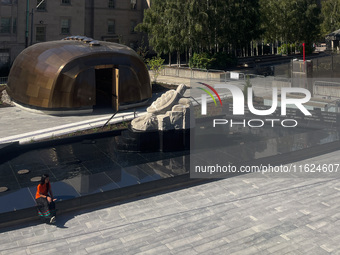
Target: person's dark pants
x,y
45,210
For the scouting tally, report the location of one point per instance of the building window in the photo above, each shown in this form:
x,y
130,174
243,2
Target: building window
x,y
4,57
40,34
9,2
110,26
41,5
133,4
5,26
65,26
6,2
66,2
133,24
112,4
14,29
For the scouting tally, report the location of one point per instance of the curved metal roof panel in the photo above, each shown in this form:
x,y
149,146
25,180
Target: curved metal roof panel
x,y
44,74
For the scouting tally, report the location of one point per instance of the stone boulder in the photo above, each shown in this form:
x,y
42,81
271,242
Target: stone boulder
x,y
5,99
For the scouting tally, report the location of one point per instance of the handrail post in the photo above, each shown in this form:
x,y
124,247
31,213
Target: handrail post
x,y
110,119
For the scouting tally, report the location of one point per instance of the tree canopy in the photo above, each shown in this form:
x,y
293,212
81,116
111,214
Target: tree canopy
x,y
290,21
330,16
212,26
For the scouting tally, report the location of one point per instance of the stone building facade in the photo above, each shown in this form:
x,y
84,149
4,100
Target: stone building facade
x,y
48,20
114,20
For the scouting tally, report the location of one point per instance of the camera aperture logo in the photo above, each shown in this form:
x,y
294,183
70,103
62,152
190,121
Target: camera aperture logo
x,y
238,105
204,97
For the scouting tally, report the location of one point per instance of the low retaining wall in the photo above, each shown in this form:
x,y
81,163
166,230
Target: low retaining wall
x,y
193,73
11,150
99,199
329,91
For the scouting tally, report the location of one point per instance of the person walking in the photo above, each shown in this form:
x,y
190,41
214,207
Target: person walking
x,y
45,201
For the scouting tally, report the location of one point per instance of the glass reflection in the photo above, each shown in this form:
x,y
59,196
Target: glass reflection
x,y
239,143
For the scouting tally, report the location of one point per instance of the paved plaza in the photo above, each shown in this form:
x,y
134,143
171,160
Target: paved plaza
x,y
25,126
247,214
239,215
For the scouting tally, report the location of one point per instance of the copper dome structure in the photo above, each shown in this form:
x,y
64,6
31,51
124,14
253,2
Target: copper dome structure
x,y
78,73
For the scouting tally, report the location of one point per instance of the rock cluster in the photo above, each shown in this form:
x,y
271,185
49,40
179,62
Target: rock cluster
x,y
5,99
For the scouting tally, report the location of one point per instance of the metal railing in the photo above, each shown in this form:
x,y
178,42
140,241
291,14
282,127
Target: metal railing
x,y
214,75
3,80
206,74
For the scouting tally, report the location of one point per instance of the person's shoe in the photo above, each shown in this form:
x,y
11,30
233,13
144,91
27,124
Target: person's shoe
x,y
53,220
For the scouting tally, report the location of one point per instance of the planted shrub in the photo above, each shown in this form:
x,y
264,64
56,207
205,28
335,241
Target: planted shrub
x,y
220,60
286,48
200,60
156,65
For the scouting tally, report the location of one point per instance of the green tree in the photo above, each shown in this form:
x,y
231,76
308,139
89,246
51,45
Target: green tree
x,y
308,23
176,27
166,26
330,16
156,65
245,22
290,21
142,50
155,25
197,25
200,26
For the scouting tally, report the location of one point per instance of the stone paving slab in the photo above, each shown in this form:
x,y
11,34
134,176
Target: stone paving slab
x,y
19,124
279,216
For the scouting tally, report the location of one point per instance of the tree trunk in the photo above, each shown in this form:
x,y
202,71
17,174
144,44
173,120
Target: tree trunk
x,y
169,58
291,48
186,55
178,59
